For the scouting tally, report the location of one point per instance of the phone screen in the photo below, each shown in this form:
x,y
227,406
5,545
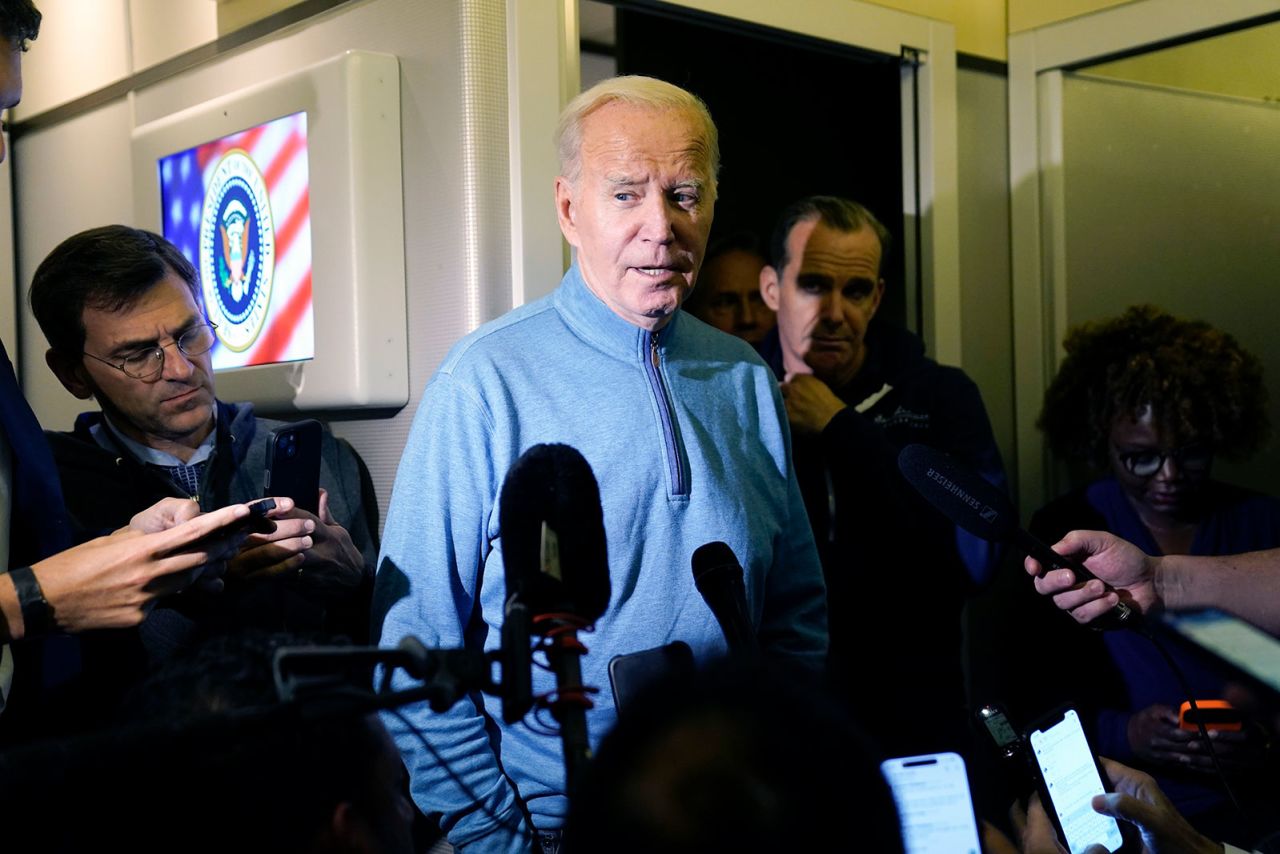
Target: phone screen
x,y
932,794
1071,778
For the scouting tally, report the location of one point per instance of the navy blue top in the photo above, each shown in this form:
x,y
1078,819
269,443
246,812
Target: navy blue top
x,y
1234,520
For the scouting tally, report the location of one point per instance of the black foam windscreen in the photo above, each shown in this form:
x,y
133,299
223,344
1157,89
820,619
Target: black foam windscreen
x,y
959,493
712,558
552,527
720,580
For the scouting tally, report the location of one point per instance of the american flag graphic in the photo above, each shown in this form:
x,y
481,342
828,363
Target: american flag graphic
x,y
279,150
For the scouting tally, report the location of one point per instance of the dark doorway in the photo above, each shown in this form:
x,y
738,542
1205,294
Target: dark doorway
x,y
797,116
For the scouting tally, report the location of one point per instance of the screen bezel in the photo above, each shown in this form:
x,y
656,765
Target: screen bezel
x,y
352,102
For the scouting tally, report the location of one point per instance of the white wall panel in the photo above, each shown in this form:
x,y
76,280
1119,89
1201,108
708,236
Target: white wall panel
x,y
70,177
162,29
83,46
985,280
1170,198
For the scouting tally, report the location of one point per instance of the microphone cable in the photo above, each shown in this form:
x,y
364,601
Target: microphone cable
x,y
960,494
1143,629
531,834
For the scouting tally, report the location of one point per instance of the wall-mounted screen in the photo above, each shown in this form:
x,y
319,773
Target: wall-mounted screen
x,y
239,208
287,197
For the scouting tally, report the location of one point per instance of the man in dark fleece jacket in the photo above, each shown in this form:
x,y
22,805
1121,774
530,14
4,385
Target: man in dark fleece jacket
x,y
897,572
122,311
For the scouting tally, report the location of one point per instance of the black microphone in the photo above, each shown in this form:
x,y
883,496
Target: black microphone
x,y
964,497
719,579
557,574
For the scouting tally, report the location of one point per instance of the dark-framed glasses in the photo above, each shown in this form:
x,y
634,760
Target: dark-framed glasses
x,y
1195,457
147,363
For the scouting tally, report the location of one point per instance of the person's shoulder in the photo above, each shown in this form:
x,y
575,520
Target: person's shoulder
x,y
78,443
701,340
74,447
501,335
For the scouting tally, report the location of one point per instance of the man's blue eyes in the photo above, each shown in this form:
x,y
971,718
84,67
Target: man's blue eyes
x,y
678,198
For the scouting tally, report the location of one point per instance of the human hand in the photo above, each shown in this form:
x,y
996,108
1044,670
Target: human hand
x,y
1129,571
1036,834
334,564
279,551
1138,800
811,404
1154,735
113,581
315,547
164,514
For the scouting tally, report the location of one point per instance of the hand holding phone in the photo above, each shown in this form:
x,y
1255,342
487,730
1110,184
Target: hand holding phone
x,y
1139,800
293,465
256,522
1217,715
1069,776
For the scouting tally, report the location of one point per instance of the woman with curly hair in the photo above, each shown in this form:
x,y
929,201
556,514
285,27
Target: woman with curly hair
x,y
1152,400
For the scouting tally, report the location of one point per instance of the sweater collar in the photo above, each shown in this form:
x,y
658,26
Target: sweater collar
x,y
597,324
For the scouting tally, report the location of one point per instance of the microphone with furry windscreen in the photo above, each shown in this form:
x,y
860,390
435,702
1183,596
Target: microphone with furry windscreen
x,y
961,494
557,575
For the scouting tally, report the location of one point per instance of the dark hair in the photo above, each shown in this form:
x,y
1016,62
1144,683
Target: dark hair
x,y
19,22
732,758
266,780
1200,384
738,241
108,268
840,214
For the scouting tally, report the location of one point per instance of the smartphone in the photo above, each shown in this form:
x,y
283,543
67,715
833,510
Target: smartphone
x,y
293,464
934,805
1069,775
1216,715
631,673
255,523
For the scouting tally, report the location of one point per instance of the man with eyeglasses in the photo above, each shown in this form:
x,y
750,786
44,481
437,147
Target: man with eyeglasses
x,y
121,310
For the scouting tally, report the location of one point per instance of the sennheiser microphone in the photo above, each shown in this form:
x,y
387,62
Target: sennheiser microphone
x,y
964,497
719,579
557,574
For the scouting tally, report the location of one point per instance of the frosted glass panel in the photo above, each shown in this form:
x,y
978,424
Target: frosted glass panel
x,y
1173,198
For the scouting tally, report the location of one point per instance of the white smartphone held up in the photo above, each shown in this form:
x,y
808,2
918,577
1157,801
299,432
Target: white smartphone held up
x,y
934,805
1069,775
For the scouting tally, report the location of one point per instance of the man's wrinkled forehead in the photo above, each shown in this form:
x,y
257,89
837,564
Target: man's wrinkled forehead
x,y
609,138
801,252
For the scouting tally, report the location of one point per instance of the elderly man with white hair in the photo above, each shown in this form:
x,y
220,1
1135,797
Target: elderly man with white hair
x,y
682,425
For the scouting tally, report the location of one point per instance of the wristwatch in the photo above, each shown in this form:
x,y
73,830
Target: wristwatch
x,y
37,613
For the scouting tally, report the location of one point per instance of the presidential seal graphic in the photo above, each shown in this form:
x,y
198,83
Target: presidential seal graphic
x,y
237,250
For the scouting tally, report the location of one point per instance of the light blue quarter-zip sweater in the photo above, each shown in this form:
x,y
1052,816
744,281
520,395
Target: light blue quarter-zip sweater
x,y
685,432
